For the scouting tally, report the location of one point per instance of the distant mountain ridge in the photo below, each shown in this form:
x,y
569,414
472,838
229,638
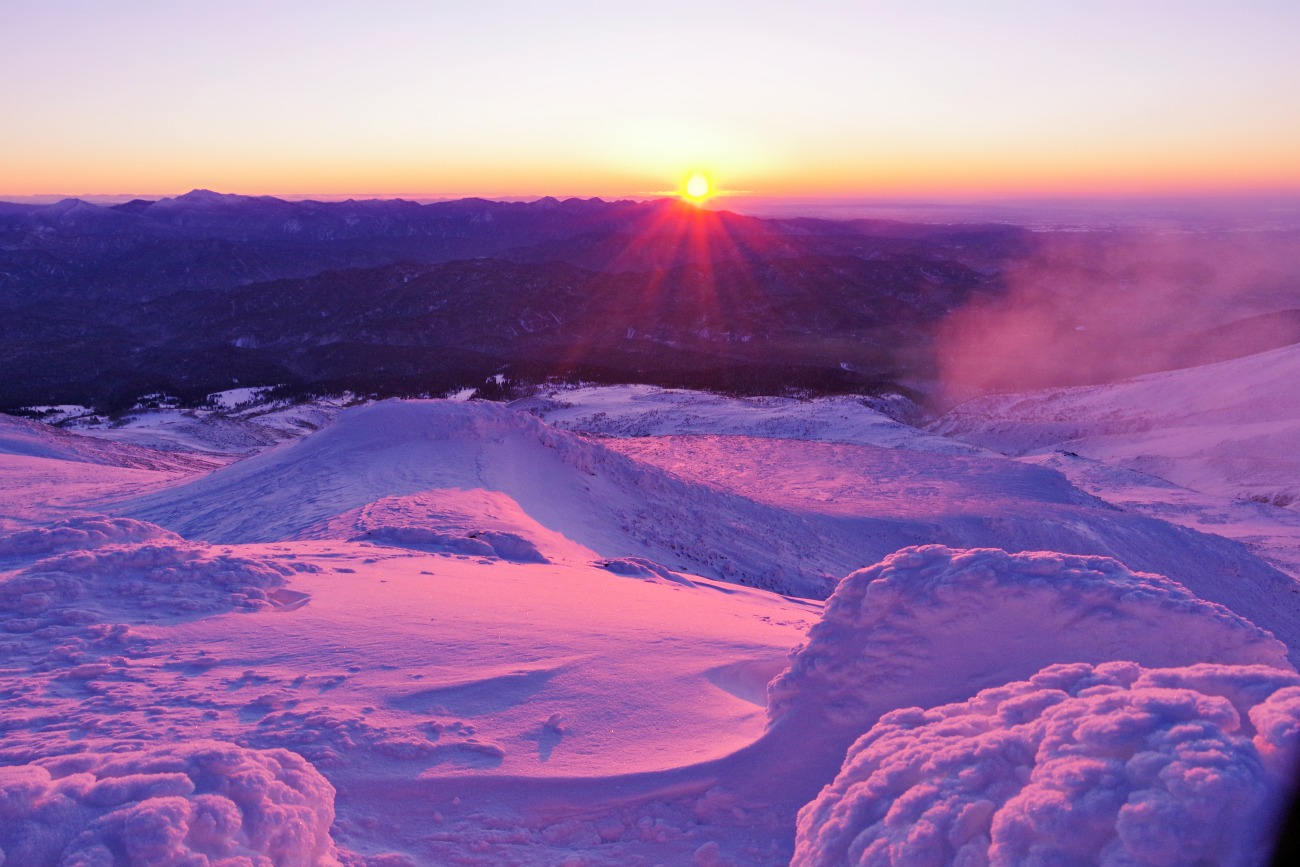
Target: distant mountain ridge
x,y
206,290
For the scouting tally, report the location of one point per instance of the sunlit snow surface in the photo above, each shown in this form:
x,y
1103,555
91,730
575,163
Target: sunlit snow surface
x,y
460,633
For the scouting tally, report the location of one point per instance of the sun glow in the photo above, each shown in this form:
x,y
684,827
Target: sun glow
x,y
697,188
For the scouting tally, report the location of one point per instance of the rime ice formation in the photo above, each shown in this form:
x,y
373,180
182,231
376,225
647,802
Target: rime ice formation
x,y
931,624
200,803
81,532
163,577
1110,764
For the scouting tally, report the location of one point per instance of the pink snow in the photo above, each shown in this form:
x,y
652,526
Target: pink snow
x,y
449,633
1105,764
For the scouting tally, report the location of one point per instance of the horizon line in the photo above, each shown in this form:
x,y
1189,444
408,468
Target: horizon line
x,y
1019,197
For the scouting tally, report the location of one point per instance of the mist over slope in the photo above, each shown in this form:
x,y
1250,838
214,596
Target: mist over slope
x,y
1231,428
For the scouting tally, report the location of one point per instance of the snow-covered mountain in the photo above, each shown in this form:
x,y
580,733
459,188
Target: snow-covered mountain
x,y
447,632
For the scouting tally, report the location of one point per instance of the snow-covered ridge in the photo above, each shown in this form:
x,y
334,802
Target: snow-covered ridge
x,y
602,501
1231,428
460,469
644,410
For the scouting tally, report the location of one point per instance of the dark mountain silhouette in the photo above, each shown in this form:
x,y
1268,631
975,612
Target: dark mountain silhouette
x,y
206,290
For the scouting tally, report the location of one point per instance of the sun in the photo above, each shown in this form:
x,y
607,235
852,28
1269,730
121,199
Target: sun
x,y
697,188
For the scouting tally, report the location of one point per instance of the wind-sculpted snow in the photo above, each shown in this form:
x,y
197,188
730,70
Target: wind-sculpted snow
x,y
978,617
89,531
646,570
1110,764
198,804
480,543
645,410
131,583
593,496
457,468
1230,428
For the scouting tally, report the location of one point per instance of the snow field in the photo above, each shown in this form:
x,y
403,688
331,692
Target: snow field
x,y
471,638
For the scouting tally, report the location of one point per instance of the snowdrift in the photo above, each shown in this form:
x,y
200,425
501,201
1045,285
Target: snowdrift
x,y
196,803
1079,764
472,543
931,625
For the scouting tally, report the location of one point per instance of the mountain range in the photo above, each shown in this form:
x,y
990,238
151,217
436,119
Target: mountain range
x,y
207,291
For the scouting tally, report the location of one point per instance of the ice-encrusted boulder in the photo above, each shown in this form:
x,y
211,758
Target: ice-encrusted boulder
x,y
198,803
126,583
1110,764
83,531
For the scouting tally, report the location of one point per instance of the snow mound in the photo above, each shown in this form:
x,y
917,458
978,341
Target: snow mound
x,y
89,531
476,543
1079,764
936,623
198,803
646,570
134,582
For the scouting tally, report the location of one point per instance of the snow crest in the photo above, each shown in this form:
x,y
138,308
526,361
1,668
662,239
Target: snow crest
x,y
933,624
198,803
1107,764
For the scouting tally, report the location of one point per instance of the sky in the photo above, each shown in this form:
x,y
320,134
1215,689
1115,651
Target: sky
x,y
498,98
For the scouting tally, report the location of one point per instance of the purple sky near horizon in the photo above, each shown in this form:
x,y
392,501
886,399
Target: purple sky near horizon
x,y
586,98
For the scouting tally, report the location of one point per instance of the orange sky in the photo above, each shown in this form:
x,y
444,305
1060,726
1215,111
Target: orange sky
x,y
927,97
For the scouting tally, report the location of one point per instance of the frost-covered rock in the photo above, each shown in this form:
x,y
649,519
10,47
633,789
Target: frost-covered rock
x,y
194,804
88,531
135,582
930,625
1080,764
